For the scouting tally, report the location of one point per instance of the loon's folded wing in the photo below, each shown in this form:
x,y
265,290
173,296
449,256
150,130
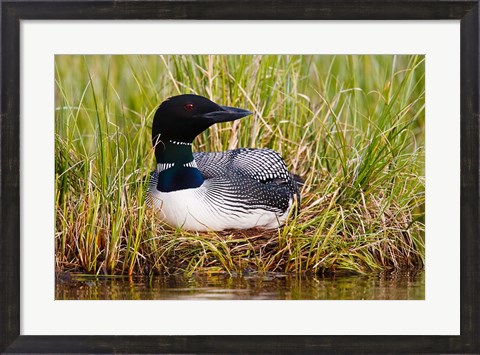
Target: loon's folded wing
x,y
212,164
263,165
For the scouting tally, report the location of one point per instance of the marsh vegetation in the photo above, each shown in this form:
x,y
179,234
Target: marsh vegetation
x,y
351,126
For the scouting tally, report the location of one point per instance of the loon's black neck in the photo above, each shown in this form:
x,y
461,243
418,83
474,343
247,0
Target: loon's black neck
x,y
170,151
176,167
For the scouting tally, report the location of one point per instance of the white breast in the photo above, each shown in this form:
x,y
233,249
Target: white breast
x,y
193,209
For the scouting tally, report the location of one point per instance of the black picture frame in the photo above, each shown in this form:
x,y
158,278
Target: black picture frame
x,y
13,12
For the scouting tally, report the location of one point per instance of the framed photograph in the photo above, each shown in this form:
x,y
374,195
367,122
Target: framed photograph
x,y
338,214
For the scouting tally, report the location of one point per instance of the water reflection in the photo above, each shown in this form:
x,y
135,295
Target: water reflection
x,y
394,286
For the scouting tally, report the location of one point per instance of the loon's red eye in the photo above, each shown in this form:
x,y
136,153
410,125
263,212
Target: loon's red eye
x,y
188,107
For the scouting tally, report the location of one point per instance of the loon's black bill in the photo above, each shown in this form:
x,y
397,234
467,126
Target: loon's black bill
x,y
227,114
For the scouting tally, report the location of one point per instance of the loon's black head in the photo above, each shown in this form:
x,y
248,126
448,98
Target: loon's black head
x,y
183,117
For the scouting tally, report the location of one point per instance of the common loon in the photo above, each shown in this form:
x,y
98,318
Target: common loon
x,y
236,189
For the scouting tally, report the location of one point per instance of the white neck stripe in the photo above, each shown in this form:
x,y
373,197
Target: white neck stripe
x,y
191,164
164,166
179,143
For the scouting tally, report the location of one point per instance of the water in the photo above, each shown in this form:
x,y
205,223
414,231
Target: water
x,y
393,286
